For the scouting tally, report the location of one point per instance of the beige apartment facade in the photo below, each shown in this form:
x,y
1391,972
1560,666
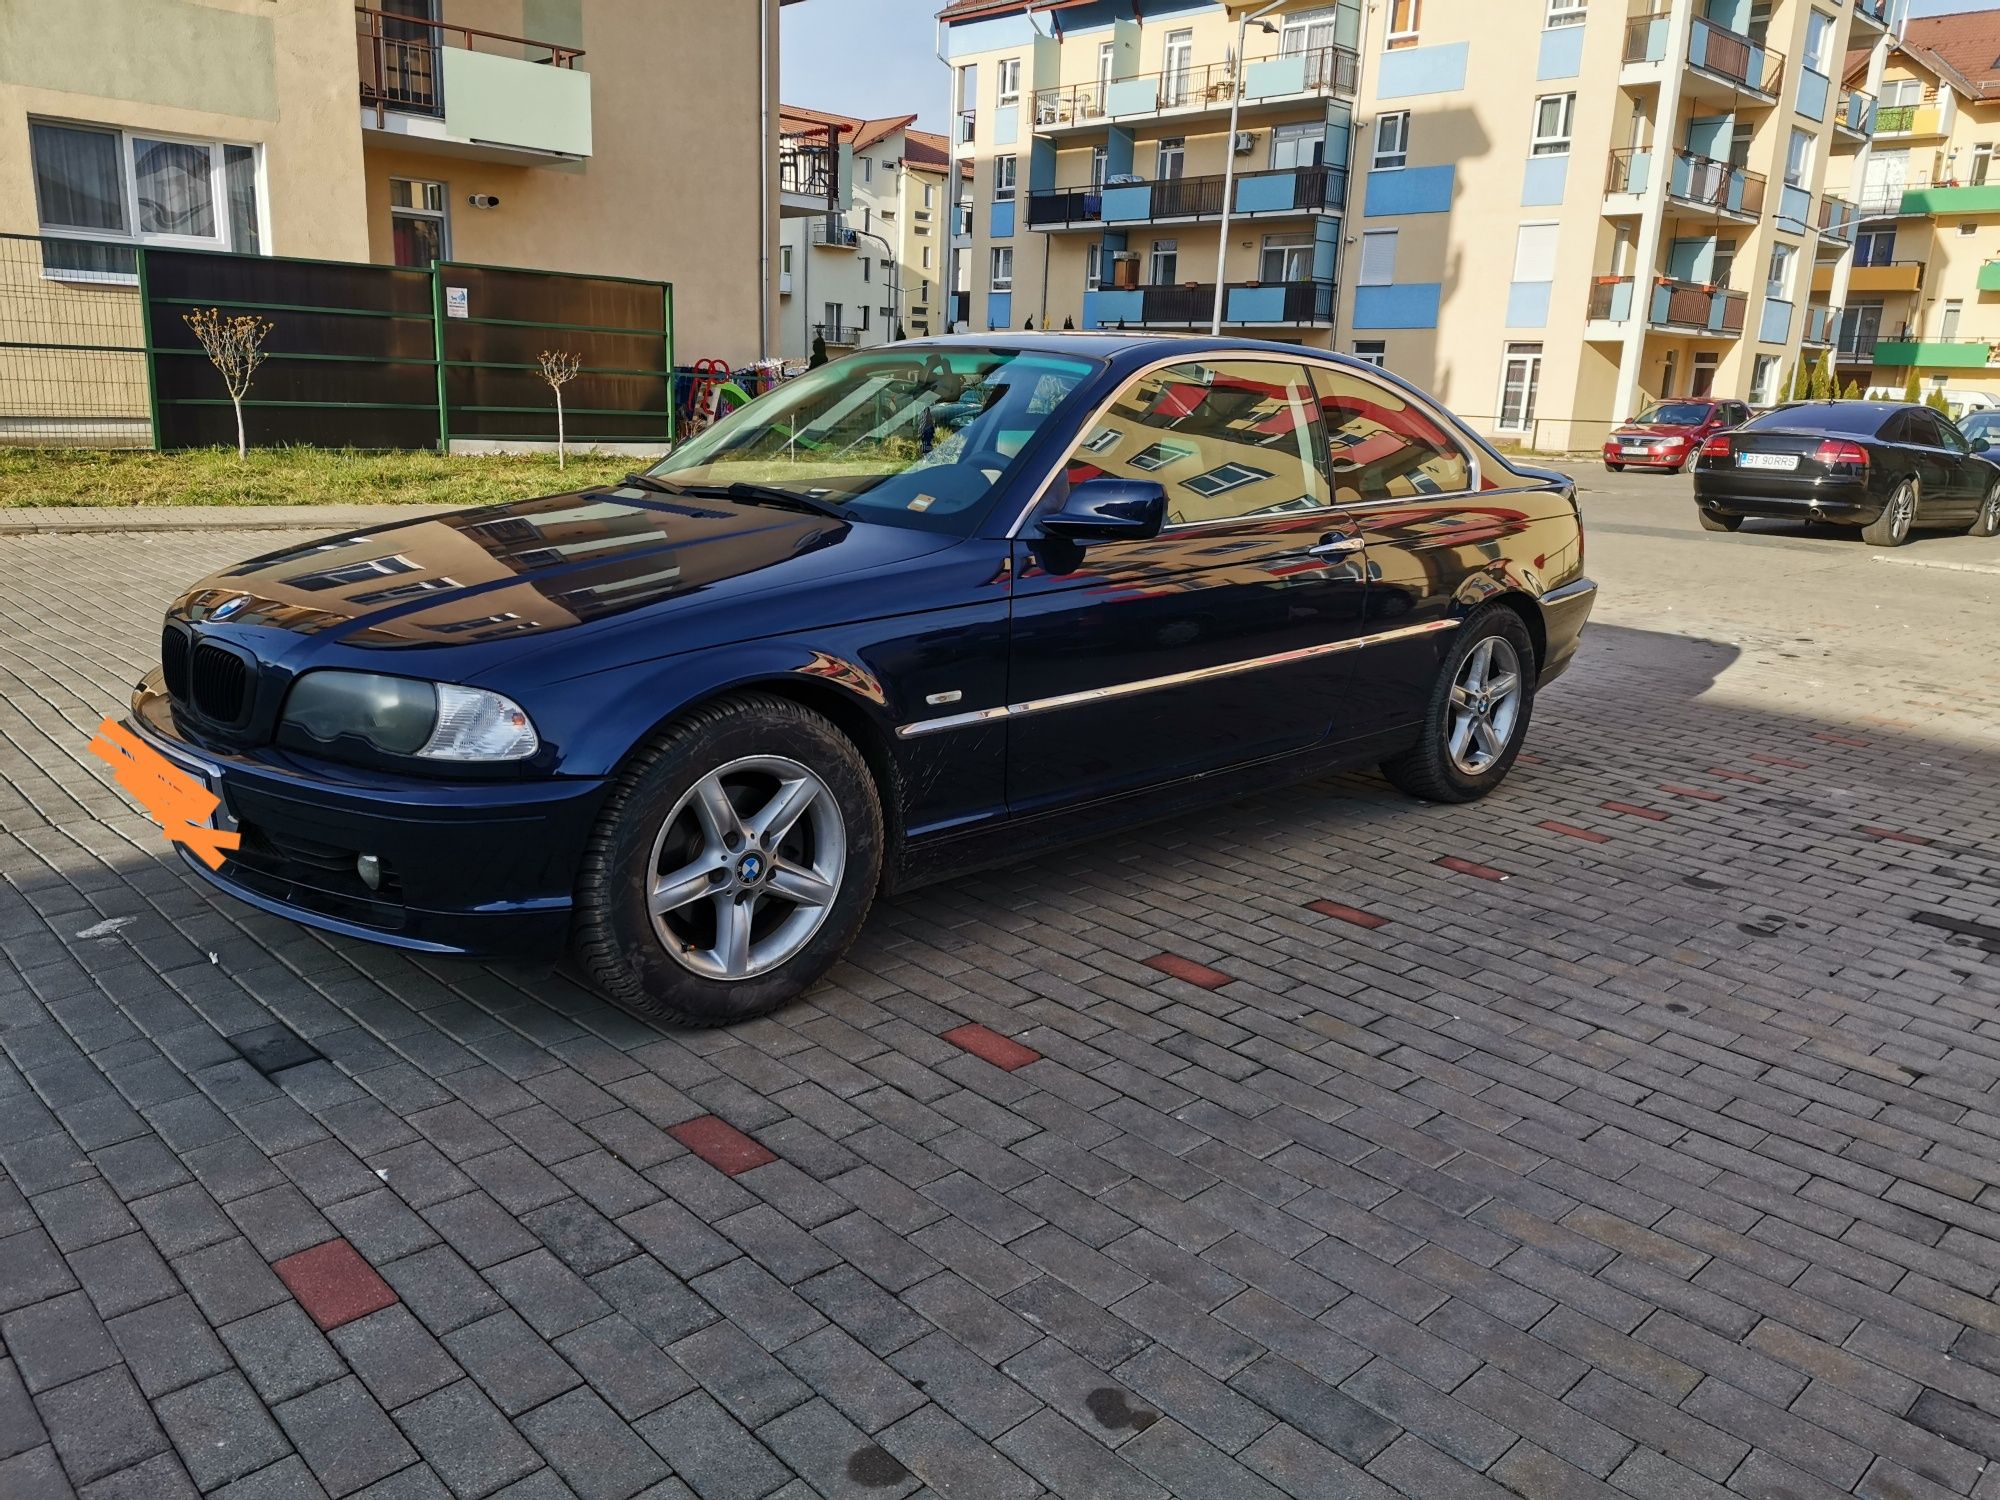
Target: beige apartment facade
x,y
1547,223
575,135
1923,297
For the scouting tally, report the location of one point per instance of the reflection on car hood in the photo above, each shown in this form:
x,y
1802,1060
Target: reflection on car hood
x,y
1653,429
534,566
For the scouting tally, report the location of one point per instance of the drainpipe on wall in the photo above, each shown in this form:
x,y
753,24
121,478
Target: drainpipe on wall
x,y
764,178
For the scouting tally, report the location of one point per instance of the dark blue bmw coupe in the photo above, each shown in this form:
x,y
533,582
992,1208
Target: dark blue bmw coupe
x,y
933,605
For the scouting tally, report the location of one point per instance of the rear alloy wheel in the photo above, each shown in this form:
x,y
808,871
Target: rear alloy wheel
x,y
1988,522
732,865
1710,521
1892,527
1478,713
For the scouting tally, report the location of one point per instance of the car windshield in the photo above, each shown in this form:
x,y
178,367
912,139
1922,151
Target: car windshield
x,y
1979,424
1675,413
911,436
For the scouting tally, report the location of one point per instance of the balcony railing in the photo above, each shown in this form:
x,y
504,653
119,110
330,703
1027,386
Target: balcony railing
x,y
400,64
1281,190
838,333
1689,304
833,231
1646,37
1325,70
809,163
1730,55
1721,185
1876,11
1611,298
1855,115
1192,304
1822,326
1838,219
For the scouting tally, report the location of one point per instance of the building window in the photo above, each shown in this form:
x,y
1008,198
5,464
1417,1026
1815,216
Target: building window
x,y
1378,258
1764,380
1178,56
1798,158
968,100
1706,367
1165,266
1004,170
1535,252
1171,162
927,195
1295,146
1100,163
867,270
417,226
1392,140
1982,165
1778,283
1954,308
927,258
1404,18
1566,13
1093,265
1819,41
1373,352
1967,230
1554,114
1520,383
1009,75
123,188
1286,257
1160,455
785,259
1223,478
1002,278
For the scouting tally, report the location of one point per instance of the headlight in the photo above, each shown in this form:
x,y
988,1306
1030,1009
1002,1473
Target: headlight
x,y
402,716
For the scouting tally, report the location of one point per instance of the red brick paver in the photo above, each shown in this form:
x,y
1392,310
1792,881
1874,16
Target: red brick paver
x,y
1188,969
334,1284
721,1145
1352,914
985,1042
1631,810
1466,867
1574,832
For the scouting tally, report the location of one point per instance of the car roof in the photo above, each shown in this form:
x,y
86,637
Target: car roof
x,y
1099,344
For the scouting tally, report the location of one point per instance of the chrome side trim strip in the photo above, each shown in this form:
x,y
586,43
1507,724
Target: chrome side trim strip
x,y
1173,679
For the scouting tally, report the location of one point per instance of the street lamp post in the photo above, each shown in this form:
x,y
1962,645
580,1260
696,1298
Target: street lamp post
x,y
1229,161
895,278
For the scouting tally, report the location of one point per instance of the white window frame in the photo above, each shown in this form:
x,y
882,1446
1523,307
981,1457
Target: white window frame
x,y
1372,352
1558,143
218,188
926,258
1408,35
1377,238
1391,156
1821,62
1093,265
1781,271
1224,477
1805,164
1007,80
1154,251
1565,13
441,214
1284,244
1532,353
1006,178
1763,379
997,257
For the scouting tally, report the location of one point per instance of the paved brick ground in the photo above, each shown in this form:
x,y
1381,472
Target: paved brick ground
x,y
1285,1149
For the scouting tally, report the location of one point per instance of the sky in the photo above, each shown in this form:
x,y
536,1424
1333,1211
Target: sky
x,y
878,57
865,57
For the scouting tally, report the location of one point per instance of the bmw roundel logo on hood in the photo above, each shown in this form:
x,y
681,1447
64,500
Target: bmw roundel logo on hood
x,y
228,609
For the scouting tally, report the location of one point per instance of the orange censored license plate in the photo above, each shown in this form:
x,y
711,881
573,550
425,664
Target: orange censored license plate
x,y
180,803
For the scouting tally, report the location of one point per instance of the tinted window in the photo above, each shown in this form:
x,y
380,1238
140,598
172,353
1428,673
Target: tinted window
x,y
1381,446
1228,439
1948,436
1863,418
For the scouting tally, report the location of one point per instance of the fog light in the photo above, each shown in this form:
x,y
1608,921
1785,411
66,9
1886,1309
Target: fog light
x,y
369,868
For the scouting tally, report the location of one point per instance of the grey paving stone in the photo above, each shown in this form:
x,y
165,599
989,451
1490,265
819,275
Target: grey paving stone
x,y
1067,1462
950,1459
466,1440
281,1352
511,1362
100,1424
860,1386
591,1446
229,1281
221,1429
624,1366
31,1269
20,1428
287,1479
552,1297
57,1341
833,1455
963,1384
479,1229
440,1288
751,1385
381,1226
122,1274
711,1450
758,1303
168,1344
161,1477
182,1219
37,1472
654,1299
395,1356
83,1213
344,1436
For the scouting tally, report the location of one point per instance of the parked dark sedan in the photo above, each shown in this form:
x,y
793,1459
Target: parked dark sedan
x,y
1886,467
930,606
1668,434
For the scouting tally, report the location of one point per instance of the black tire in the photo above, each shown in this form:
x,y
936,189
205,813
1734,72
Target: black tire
x,y
615,941
1426,770
1899,517
1710,521
1614,468
1987,522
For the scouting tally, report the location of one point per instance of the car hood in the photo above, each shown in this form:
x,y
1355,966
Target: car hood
x,y
1653,429
537,566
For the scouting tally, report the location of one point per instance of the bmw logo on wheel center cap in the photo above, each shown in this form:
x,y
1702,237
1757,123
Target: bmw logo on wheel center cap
x,y
750,867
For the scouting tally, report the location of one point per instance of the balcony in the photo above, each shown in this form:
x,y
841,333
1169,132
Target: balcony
x,y
831,232
1199,89
1838,221
1719,186
1873,15
1935,354
1854,115
1267,304
1696,307
1610,299
1822,327
1272,194
1950,197
848,334
1885,276
1989,276
809,172
458,91
1724,64
1909,120
960,308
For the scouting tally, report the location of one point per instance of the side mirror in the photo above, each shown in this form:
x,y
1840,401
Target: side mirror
x,y
1107,510
1980,445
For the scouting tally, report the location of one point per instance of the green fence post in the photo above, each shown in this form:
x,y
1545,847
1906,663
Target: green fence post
x,y
146,340
673,406
437,343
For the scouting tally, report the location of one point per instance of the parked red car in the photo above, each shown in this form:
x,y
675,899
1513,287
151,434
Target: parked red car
x,y
1668,434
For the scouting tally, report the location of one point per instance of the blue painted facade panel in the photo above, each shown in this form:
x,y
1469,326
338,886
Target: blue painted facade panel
x,y
1417,71
1278,75
1545,178
1000,220
999,309
1123,204
1562,53
1652,45
1117,151
1621,302
1528,304
1007,125
1813,89
1041,164
1262,194
1409,190
1410,305
1326,249
1107,309
1638,171
1776,325
1131,96
1255,304
1794,206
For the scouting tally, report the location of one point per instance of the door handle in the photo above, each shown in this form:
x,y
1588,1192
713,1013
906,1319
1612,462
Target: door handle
x,y
1335,546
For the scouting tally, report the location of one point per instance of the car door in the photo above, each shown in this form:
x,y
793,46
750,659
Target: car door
x,y
1970,474
1410,488
1918,450
1220,641
1940,464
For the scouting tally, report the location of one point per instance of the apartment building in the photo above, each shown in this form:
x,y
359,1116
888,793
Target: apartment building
x,y
1546,221
853,276
575,135
1924,291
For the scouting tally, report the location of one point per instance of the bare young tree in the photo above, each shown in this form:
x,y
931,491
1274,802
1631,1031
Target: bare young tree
x,y
559,368
235,346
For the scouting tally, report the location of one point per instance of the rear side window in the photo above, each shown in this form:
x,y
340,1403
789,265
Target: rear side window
x,y
1227,439
1381,446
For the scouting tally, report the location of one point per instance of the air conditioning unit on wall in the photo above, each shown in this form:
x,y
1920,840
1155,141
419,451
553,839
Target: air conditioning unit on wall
x,y
1246,142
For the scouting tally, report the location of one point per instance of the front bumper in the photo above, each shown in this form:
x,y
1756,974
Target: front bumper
x,y
1670,455
480,868
1738,492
